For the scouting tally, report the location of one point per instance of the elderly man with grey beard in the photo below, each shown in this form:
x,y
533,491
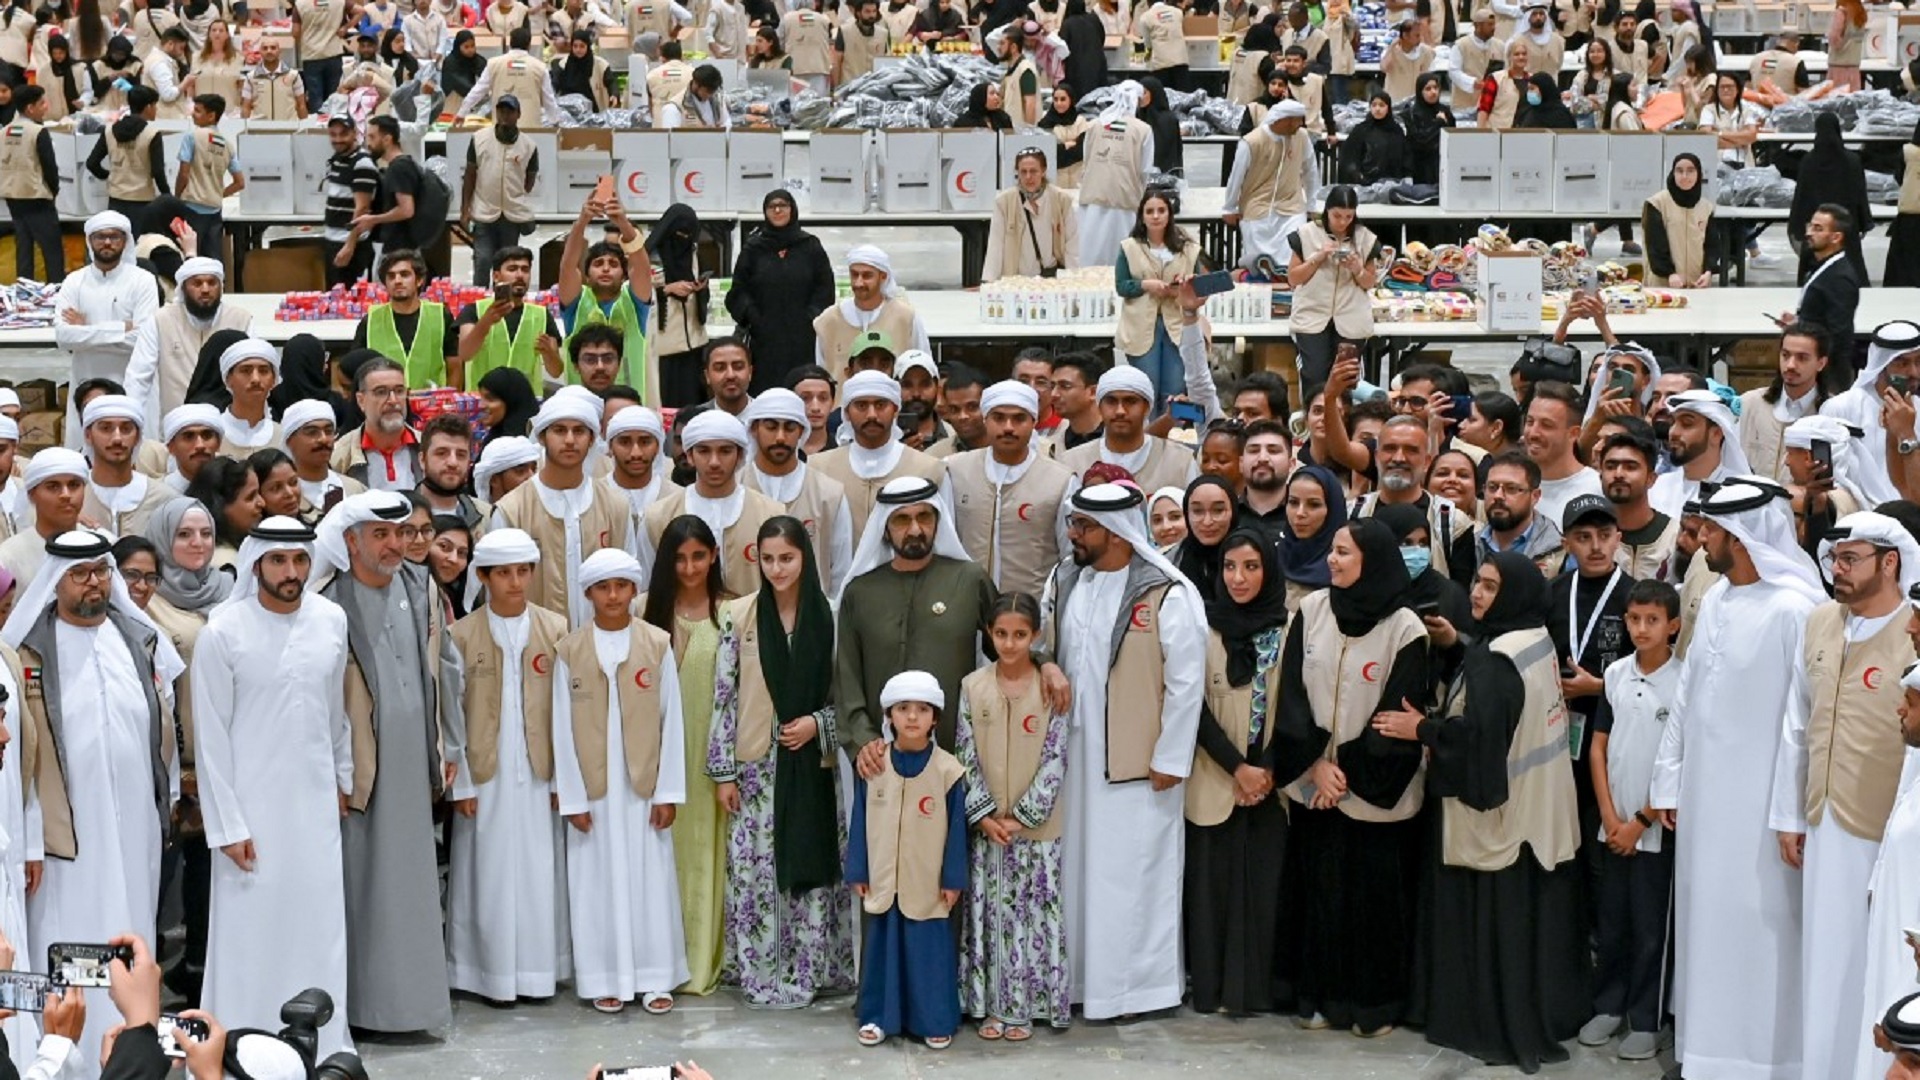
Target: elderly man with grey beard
x,y
403,704
1401,458
383,453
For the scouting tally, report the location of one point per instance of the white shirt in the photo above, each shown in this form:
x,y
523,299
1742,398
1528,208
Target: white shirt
x,y
239,433
1556,494
109,302
1641,703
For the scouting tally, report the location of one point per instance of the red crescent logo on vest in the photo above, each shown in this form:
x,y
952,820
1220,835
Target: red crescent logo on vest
x,y
1871,677
692,182
753,553
1142,617
926,806
963,181
1023,510
1029,724
605,538
541,665
808,525
1370,671
643,678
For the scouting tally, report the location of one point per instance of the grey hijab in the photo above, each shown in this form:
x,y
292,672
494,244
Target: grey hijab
x,y
188,590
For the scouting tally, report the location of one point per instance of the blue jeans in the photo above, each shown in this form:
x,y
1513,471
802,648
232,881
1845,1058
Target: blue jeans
x,y
1163,367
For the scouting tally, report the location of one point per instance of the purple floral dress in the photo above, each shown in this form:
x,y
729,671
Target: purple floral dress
x,y
1013,959
781,950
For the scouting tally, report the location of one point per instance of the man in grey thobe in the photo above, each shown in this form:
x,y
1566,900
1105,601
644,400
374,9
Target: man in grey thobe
x,y
409,735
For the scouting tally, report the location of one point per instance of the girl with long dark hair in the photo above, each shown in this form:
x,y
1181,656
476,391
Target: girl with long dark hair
x,y
1153,261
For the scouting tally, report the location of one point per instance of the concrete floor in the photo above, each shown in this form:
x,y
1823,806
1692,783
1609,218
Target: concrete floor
x,y
562,1039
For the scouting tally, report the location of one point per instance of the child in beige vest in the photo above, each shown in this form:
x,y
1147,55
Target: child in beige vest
x,y
1014,968
907,862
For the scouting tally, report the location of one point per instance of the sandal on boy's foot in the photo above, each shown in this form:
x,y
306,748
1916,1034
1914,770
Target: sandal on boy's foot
x,y
1316,1022
991,1029
609,1005
657,1003
1383,1029
1018,1033
939,1042
870,1035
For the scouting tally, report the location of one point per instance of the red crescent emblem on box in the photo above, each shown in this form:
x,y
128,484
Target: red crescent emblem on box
x,y
643,678
1028,724
541,665
692,182
637,182
1023,510
1370,671
1871,677
753,553
1142,617
963,180
926,806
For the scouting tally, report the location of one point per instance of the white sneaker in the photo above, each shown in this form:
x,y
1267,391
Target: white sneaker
x,y
1763,259
1600,1030
1639,1046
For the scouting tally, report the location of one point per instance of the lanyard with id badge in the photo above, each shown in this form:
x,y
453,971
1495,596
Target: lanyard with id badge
x,y
1577,638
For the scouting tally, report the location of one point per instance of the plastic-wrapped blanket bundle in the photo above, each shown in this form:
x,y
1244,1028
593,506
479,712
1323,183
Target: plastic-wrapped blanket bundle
x,y
1869,112
1199,112
1765,187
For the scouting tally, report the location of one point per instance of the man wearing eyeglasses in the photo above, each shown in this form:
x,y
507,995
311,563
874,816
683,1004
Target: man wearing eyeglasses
x,y
1838,770
94,671
382,453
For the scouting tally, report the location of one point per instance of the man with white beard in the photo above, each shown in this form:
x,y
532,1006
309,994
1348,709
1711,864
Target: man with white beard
x,y
1737,982
98,755
1894,888
1135,716
274,758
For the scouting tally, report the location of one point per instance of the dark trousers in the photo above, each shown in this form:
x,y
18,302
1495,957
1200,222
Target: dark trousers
x,y
36,224
1635,897
322,78
210,234
136,211
489,237
356,268
1316,351
1178,77
683,381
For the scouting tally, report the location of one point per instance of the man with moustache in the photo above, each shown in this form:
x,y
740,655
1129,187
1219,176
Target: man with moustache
x,y
1009,499
1647,536
1401,458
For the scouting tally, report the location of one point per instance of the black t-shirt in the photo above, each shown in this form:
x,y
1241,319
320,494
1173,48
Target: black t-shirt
x,y
471,314
1606,643
406,325
402,176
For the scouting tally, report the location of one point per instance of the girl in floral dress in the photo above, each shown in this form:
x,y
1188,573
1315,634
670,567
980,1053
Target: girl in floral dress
x,y
684,598
1013,968
789,929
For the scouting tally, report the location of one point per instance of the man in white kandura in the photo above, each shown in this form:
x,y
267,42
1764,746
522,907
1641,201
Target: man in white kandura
x,y
1131,633
1737,982
274,758
1838,771
1895,883
98,752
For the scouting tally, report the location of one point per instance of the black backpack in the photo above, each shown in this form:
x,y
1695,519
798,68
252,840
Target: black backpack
x,y
430,210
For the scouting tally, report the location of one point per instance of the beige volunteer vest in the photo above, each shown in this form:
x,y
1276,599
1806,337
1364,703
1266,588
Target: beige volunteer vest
x,y
129,170
1161,28
1506,104
1008,736
319,35
1686,233
669,80
604,525
837,465
1024,513
1167,465
1271,187
274,96
836,334
1475,57
359,710
1780,70
182,628
1110,173
1210,789
809,45
20,175
1049,214
757,722
907,837
856,59
180,342
1333,295
1539,811
638,678
1344,677
522,76
484,664
739,543
1854,749
1136,683
1138,314
819,496
207,172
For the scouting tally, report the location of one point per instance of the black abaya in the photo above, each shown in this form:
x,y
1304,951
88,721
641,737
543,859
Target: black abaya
x,y
1830,173
1232,916
779,287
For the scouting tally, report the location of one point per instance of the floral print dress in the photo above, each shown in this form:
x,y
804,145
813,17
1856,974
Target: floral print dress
x,y
781,950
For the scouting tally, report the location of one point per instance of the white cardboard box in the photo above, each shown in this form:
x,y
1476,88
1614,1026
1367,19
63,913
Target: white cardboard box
x,y
267,160
1469,170
1702,145
545,195
642,170
1580,172
584,156
909,170
69,201
1013,142
458,143
837,176
312,151
1526,171
756,165
699,168
1906,39
1509,291
967,169
93,190
1637,168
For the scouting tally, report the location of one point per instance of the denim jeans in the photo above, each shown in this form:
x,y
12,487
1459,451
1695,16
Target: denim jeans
x,y
1163,367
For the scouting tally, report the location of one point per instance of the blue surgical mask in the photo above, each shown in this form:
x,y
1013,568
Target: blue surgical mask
x,y
1533,97
1417,560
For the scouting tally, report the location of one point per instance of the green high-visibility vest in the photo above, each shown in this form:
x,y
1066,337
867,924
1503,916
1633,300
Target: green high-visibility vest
x,y
517,351
624,317
426,361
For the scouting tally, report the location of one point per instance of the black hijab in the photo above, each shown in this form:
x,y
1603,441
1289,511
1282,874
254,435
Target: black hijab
x,y
1523,602
1240,625
1551,112
1261,39
303,375
516,393
1201,562
1053,117
119,55
777,237
799,676
1375,149
206,386
1683,198
458,73
670,245
404,64
1381,588
1158,115
1303,561
977,115
1424,121
1404,519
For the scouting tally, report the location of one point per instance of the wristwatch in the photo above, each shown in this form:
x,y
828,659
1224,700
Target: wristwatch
x,y
1907,446
1641,817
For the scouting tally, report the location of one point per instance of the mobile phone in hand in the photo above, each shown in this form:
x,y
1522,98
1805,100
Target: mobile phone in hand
x,y
196,1030
1822,453
1187,412
1621,378
24,991
85,965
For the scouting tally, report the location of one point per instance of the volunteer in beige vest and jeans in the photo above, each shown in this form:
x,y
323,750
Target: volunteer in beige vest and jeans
x,y
29,181
1154,261
1353,652
1334,265
1507,895
1838,770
